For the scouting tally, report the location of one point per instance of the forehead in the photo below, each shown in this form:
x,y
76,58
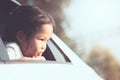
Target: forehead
x,y
43,29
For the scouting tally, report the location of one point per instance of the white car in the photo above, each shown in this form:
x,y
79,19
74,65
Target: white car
x,y
61,64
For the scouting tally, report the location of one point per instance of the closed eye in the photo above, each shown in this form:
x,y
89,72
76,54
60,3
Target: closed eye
x,y
42,39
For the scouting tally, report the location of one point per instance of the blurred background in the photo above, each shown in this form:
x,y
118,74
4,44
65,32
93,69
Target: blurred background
x,y
91,28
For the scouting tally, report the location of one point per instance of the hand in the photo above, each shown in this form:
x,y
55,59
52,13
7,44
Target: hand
x,y
33,58
38,58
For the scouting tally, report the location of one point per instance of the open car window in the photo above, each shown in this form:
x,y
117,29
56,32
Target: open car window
x,y
56,53
53,51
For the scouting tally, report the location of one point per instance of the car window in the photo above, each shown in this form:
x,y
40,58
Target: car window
x,y
53,51
58,54
48,54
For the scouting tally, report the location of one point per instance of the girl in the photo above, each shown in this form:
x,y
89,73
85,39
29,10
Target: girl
x,y
27,33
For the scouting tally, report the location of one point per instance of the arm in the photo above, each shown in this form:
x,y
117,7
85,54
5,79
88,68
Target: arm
x,y
32,58
15,53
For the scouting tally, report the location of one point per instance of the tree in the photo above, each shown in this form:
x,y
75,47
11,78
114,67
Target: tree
x,y
104,63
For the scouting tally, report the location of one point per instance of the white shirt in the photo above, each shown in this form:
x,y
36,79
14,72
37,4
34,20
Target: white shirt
x,y
14,51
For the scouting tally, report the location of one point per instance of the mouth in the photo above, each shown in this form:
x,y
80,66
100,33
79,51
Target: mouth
x,y
39,53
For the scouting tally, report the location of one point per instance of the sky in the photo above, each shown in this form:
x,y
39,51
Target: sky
x,y
95,22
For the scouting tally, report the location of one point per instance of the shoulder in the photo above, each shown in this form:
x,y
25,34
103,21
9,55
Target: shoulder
x,y
11,44
13,50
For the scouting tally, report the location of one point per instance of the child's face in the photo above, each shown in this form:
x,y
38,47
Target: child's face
x,y
37,44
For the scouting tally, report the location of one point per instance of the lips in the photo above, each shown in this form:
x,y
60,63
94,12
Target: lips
x,y
39,53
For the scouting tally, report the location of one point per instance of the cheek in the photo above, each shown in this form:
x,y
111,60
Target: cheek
x,y
40,45
24,48
37,44
29,50
34,45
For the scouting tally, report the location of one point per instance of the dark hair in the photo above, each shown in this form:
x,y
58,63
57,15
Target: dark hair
x,y
27,19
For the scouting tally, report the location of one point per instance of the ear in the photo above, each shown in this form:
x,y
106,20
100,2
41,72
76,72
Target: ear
x,y
20,36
